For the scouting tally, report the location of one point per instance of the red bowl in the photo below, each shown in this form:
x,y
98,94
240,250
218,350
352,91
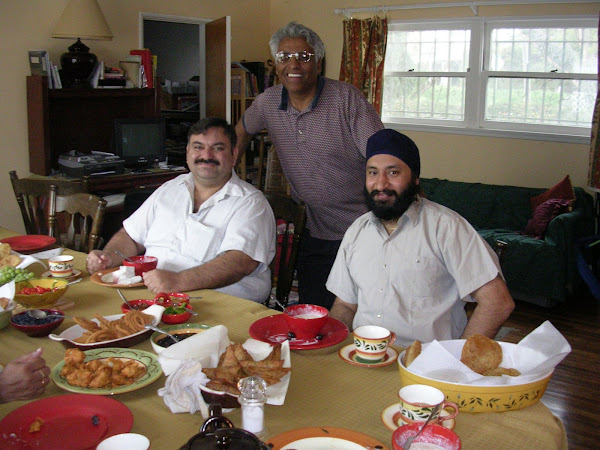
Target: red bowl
x,y
174,319
177,298
142,263
305,320
36,327
433,434
139,305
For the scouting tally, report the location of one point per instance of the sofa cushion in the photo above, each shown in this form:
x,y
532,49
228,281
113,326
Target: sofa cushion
x,y
543,214
562,190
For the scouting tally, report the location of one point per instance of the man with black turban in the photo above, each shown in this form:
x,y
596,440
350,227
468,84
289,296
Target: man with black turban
x,y
409,264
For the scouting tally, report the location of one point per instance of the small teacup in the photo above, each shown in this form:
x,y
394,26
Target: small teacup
x,y
417,401
61,266
371,343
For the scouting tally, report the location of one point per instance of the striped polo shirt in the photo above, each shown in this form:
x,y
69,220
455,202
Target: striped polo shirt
x,y
321,150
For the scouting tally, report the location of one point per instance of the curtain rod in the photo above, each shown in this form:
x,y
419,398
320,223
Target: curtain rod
x,y
472,5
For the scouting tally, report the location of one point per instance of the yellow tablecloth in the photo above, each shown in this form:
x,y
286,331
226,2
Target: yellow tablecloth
x,y
324,390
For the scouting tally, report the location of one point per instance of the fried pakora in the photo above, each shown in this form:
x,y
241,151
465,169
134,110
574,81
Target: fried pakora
x,y
102,373
236,363
484,355
411,353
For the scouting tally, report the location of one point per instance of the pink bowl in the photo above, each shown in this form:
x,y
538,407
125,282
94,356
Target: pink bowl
x,y
432,434
305,320
142,263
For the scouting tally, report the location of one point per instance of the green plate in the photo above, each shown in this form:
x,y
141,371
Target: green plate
x,y
153,371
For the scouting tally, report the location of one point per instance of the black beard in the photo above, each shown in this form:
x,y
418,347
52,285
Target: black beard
x,y
401,203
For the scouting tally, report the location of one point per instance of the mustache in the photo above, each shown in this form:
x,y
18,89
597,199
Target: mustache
x,y
207,161
389,192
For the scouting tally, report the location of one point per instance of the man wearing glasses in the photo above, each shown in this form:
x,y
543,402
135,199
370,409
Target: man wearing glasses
x,y
320,129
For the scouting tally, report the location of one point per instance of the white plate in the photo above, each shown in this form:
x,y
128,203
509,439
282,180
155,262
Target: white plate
x,y
67,337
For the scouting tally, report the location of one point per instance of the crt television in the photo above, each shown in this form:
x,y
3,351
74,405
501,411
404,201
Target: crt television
x,y
140,142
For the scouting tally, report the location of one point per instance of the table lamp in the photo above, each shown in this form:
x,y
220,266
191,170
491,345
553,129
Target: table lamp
x,y
81,19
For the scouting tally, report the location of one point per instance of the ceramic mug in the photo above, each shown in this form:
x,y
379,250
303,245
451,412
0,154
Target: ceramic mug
x,y
371,343
417,402
61,266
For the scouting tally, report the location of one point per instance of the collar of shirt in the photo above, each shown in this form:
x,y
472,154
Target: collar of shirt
x,y
285,96
410,215
230,189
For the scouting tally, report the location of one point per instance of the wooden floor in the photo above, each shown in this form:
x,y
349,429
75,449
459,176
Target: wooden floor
x,y
573,393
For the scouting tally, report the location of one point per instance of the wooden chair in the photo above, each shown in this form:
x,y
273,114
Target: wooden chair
x,y
33,197
284,263
82,215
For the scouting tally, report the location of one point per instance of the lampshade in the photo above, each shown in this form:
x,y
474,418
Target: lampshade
x,y
82,19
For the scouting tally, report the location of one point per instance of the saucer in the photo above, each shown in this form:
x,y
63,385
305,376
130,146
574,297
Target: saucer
x,y
76,273
389,417
348,354
274,330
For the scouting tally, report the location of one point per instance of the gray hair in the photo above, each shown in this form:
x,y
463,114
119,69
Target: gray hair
x,y
295,30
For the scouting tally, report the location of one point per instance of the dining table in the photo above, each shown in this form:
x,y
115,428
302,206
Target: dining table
x,y
325,391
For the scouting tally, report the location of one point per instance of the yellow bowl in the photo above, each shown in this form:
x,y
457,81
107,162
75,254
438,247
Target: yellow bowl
x,y
44,300
480,399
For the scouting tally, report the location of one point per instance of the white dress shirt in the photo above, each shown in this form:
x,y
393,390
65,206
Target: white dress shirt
x,y
414,281
237,217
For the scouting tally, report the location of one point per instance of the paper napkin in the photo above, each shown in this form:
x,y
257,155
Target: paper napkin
x,y
48,253
183,363
7,290
534,356
27,260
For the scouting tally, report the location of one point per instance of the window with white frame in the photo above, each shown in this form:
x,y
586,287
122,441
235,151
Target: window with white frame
x,y
529,75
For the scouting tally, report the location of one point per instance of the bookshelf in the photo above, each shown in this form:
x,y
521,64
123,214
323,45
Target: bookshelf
x,y
60,120
242,92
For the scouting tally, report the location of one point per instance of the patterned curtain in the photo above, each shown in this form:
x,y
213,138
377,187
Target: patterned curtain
x,y
594,166
363,56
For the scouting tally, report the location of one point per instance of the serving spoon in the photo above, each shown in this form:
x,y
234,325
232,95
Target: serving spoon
x,y
125,300
152,327
280,305
410,440
39,314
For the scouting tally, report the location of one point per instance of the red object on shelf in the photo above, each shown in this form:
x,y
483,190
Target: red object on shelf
x,y
147,64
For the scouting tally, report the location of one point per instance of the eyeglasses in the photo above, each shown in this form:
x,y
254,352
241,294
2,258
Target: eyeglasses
x,y
285,57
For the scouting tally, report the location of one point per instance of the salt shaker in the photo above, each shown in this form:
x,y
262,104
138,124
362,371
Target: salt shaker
x,y
252,399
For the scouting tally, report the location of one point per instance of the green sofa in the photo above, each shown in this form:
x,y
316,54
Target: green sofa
x,y
540,271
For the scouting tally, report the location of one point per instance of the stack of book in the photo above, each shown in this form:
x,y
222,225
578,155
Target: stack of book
x,y
113,77
40,64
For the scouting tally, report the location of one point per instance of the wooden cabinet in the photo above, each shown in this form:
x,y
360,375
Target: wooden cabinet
x,y
61,120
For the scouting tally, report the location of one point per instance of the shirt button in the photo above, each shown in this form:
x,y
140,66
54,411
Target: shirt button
x,y
379,316
299,131
380,290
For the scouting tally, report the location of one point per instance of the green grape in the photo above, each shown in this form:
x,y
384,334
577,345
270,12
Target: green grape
x,y
9,273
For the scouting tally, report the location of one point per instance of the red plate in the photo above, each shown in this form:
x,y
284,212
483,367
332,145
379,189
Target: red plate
x,y
61,415
29,242
274,329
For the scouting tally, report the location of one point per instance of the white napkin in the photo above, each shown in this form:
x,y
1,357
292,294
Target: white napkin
x,y
535,356
205,348
183,362
27,260
7,290
182,390
48,253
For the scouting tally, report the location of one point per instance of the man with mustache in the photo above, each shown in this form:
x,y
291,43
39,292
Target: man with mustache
x,y
208,228
409,265
319,128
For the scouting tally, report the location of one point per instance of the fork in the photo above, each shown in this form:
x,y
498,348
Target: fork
x,y
410,440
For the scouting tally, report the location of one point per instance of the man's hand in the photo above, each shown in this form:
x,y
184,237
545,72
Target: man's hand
x,y
158,280
98,260
24,378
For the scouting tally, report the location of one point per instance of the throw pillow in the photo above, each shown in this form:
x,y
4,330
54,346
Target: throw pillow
x,y
562,190
544,213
